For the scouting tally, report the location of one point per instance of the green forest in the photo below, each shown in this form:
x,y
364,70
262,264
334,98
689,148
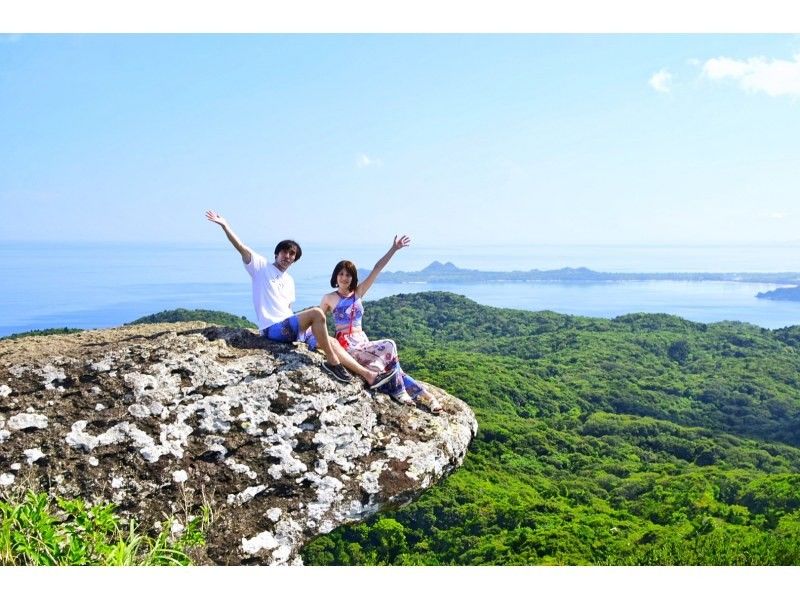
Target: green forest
x,y
642,440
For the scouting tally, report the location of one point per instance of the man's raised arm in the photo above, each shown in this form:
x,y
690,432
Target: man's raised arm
x,y
243,249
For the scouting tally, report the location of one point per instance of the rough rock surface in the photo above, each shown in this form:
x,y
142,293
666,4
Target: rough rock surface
x,y
164,418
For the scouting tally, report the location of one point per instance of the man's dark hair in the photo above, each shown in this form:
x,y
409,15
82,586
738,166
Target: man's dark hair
x,y
350,268
289,244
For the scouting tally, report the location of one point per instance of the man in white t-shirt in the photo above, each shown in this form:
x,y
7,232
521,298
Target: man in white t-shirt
x,y
273,295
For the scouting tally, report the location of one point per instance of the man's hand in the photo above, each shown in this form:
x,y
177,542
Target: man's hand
x,y
216,218
243,249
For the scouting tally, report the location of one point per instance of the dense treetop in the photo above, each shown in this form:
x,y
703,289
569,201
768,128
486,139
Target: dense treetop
x,y
646,439
204,315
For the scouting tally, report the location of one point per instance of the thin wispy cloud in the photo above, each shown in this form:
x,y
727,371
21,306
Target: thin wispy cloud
x,y
774,77
661,81
10,38
364,161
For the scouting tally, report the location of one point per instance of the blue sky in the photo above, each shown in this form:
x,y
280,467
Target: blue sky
x,y
454,139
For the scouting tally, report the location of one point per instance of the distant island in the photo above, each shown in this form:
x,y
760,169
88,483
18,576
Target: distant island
x,y
448,272
783,294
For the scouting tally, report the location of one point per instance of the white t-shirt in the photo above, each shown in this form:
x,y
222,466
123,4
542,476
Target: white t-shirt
x,y
273,291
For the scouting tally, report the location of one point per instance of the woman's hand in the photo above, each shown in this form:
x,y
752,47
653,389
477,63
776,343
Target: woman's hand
x,y
397,244
403,241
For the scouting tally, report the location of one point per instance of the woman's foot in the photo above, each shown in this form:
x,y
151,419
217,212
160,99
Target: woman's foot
x,y
432,403
381,379
404,399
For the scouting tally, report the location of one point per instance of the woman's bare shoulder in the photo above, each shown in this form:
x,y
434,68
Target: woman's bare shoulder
x,y
329,299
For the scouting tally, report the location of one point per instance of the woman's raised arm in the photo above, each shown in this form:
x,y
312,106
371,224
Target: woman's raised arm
x,y
397,245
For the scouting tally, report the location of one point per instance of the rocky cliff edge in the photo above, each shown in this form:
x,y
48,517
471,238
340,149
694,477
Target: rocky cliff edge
x,y
162,419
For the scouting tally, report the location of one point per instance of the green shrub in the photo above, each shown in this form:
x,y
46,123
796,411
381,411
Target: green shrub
x,y
34,531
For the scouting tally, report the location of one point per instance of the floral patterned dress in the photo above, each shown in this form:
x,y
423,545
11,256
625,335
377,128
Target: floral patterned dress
x,y
379,356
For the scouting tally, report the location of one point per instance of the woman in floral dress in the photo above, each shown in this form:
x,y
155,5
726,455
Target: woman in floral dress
x,y
380,355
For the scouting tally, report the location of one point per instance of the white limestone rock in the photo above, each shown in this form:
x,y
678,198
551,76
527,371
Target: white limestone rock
x,y
103,365
24,421
50,374
240,468
263,541
245,495
176,417
33,455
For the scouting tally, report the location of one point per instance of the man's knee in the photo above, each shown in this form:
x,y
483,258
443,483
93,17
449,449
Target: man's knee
x,y
311,316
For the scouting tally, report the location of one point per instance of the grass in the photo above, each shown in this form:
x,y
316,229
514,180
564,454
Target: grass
x,y
37,530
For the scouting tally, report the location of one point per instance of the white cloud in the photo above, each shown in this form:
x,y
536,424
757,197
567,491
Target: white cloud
x,y
774,215
773,77
661,81
364,161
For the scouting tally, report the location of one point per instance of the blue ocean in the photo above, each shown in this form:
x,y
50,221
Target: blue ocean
x,y
86,285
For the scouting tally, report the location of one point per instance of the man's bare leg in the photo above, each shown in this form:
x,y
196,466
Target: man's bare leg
x,y
315,318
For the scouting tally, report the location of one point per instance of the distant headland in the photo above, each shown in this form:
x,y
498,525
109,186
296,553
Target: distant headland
x,y
448,272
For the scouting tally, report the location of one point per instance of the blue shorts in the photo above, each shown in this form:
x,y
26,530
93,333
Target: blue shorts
x,y
283,332
288,331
